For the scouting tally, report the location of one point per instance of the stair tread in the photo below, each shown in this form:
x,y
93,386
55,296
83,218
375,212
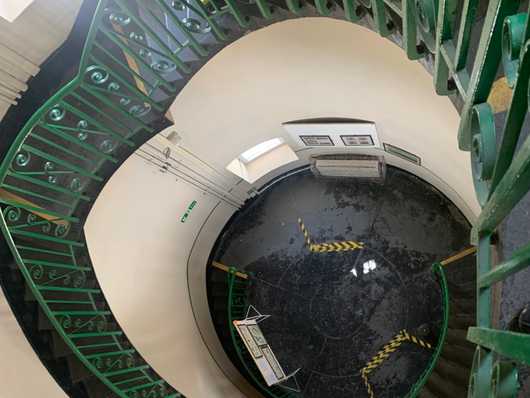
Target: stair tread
x,y
459,354
445,387
454,370
426,393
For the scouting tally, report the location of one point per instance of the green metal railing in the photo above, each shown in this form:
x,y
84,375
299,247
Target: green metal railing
x,y
438,271
502,178
132,67
140,53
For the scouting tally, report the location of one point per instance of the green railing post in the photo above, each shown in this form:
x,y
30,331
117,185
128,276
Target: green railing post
x,y
132,67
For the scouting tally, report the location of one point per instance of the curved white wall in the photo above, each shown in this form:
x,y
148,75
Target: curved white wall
x,y
28,40
318,67
139,248
293,70
19,362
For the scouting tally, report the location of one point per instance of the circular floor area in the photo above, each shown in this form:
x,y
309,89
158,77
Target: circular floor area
x,y
331,312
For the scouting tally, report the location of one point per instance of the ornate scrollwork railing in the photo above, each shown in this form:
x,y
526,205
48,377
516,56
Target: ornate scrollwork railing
x,y
133,66
137,57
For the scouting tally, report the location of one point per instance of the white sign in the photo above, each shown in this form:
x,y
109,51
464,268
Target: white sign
x,y
262,354
333,134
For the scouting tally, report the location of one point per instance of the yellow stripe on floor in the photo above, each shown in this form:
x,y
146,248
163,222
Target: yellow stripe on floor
x,y
385,352
328,247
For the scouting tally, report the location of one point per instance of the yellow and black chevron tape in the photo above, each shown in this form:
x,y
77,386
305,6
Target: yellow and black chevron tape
x,y
341,246
369,388
415,340
385,352
305,232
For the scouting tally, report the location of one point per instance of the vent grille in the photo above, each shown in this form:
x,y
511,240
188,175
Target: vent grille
x,y
349,166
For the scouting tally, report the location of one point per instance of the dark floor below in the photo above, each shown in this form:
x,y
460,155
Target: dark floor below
x,y
331,312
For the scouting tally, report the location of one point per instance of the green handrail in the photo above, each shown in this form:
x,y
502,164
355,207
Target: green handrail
x,y
438,270
137,57
502,178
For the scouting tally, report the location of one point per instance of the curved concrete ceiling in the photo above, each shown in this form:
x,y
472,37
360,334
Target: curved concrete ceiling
x,y
27,40
292,70
19,362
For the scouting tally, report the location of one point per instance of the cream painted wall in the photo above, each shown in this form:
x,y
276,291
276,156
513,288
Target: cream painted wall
x,y
319,67
11,9
18,360
28,40
292,70
263,165
140,249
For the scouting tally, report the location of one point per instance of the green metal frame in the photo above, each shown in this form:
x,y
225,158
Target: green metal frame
x,y
137,57
502,178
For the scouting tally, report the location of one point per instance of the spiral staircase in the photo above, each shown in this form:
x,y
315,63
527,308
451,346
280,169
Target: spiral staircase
x,y
137,57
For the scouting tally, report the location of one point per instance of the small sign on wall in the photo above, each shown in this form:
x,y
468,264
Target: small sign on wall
x,y
340,134
185,216
357,140
317,140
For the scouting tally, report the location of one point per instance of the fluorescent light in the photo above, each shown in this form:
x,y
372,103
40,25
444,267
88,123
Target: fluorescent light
x,y
260,149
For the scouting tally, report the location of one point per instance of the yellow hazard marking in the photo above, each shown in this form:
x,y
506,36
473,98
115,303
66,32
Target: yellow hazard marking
x,y
15,200
500,95
226,268
459,256
305,232
384,353
345,245
130,60
340,246
369,388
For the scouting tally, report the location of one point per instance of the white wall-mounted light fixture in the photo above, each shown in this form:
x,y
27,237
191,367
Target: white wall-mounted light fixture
x,y
261,159
261,149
